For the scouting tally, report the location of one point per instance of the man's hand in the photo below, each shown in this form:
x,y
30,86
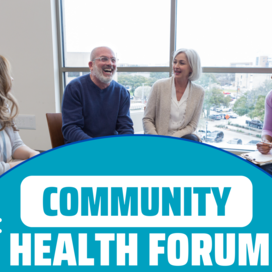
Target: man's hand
x,y
264,147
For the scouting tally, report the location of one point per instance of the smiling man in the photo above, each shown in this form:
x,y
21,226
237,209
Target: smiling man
x,y
94,105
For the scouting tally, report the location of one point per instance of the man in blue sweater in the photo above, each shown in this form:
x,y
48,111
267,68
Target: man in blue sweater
x,y
94,105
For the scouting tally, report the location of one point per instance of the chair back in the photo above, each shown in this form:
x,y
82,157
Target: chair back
x,y
54,121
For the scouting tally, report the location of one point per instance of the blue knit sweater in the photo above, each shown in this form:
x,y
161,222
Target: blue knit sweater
x,y
88,111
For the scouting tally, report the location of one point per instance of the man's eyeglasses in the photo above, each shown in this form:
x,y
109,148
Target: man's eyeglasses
x,y
106,59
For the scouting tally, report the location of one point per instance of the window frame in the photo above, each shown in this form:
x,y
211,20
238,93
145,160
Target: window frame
x,y
172,48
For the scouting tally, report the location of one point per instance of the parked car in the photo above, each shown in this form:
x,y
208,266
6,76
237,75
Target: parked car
x,y
215,116
235,141
223,115
216,136
218,109
202,133
255,123
253,142
233,115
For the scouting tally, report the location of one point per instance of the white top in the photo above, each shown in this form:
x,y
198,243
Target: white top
x,y
157,112
5,147
178,109
9,141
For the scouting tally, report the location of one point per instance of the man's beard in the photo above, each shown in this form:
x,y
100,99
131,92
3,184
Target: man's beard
x,y
99,74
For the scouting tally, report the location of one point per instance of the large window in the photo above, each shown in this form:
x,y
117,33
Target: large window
x,y
232,38
227,33
133,29
233,113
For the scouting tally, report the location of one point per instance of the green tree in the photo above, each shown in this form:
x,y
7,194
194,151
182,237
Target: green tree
x,y
259,109
242,106
265,88
224,79
142,92
132,81
214,98
206,80
227,100
159,75
252,102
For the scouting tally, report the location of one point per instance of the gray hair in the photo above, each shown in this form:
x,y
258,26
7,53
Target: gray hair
x,y
194,62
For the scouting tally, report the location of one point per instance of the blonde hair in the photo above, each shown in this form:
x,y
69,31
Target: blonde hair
x,y
8,104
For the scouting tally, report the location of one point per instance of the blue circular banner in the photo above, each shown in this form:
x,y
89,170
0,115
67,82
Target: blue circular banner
x,y
134,203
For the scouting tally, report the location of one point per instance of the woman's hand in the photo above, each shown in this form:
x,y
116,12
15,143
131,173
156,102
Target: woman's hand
x,y
264,147
12,164
34,153
30,155
24,152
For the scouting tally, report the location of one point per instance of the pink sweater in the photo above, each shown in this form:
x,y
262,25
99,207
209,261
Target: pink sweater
x,y
267,128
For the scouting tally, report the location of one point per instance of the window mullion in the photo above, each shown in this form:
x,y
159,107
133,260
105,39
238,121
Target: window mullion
x,y
173,25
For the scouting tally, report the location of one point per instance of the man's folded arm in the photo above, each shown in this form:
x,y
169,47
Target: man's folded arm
x,y
124,123
73,133
72,117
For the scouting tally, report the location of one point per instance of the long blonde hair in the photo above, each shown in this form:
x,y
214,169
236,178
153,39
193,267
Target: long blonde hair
x,y
8,104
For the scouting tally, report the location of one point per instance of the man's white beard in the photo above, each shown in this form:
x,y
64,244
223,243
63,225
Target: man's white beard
x,y
99,74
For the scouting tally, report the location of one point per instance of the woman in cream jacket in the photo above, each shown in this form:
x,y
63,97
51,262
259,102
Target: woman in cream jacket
x,y
175,103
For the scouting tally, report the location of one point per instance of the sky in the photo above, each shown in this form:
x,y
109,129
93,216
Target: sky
x,y
139,31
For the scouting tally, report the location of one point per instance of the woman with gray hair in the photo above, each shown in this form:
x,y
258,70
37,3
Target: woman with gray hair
x,y
175,103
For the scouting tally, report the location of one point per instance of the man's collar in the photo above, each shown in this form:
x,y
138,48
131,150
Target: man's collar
x,y
101,86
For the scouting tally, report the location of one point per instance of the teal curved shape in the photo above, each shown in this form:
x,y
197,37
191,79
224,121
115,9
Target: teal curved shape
x,y
137,155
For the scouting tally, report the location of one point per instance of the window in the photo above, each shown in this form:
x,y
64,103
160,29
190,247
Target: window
x,y
235,113
139,85
133,29
226,33
236,55
73,74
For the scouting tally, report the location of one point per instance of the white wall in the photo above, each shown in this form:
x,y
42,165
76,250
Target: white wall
x,y
27,39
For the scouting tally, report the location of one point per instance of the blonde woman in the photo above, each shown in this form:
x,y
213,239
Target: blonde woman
x,y
12,149
175,104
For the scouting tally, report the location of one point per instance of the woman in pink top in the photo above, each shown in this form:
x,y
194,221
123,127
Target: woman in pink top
x,y
266,144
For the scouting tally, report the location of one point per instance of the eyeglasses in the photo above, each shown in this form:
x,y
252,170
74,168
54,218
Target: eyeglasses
x,y
106,59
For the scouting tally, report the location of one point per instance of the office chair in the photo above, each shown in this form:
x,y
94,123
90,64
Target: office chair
x,y
54,121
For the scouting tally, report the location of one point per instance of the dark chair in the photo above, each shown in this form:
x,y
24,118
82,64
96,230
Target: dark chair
x,y
192,137
54,121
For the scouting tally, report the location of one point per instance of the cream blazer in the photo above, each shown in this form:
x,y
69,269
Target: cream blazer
x,y
157,112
